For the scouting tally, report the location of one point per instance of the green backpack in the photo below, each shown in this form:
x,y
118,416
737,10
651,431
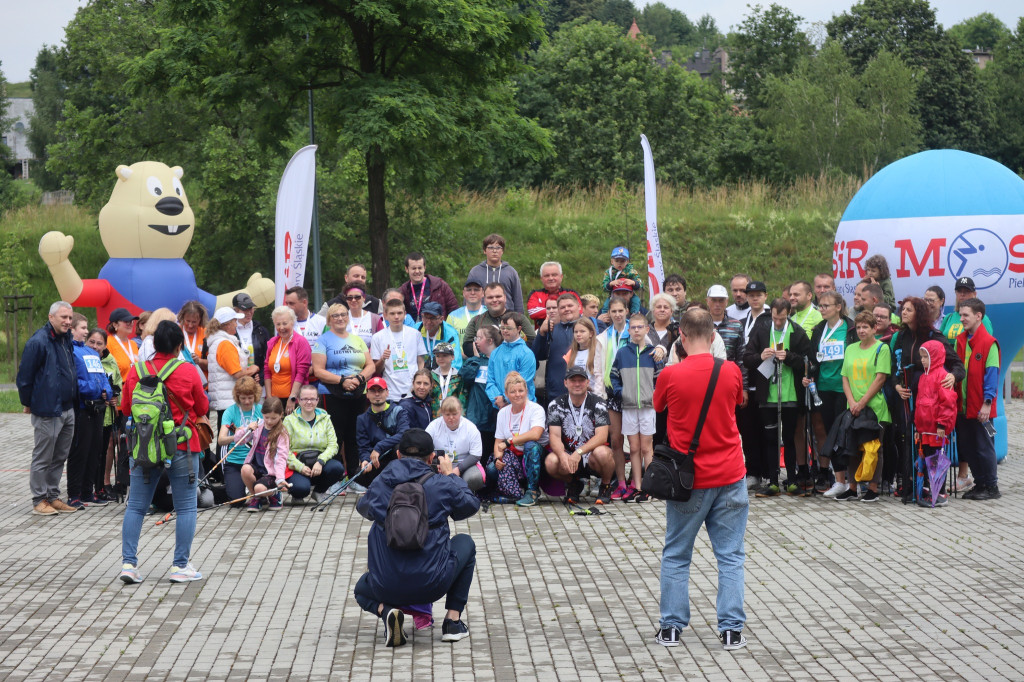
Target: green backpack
x,y
155,438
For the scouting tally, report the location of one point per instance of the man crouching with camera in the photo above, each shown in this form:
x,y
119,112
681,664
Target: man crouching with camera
x,y
411,559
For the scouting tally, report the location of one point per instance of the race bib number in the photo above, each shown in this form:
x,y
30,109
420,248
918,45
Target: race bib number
x,y
93,364
833,350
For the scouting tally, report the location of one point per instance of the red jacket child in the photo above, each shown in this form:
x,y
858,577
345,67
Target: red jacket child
x,y
935,406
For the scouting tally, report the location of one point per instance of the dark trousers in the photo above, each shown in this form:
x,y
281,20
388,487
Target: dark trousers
x,y
366,478
332,472
86,452
748,420
344,412
769,461
234,487
978,449
456,596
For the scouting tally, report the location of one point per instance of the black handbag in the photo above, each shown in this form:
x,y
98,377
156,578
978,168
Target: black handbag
x,y
308,457
670,474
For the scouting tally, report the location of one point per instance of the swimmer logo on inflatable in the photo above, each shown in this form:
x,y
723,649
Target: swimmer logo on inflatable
x,y
146,228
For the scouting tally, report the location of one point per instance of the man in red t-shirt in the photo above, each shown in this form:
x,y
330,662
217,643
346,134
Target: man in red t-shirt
x,y
719,498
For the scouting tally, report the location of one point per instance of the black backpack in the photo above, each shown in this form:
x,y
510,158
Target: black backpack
x,y
407,521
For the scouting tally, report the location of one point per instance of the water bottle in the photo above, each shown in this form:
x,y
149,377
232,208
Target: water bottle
x,y
813,388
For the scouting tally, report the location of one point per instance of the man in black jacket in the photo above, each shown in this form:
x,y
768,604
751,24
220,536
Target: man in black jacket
x,y
444,566
253,335
48,390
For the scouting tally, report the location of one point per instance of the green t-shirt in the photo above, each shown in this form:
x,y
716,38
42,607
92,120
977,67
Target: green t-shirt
x,y
807,318
832,352
951,326
860,367
786,374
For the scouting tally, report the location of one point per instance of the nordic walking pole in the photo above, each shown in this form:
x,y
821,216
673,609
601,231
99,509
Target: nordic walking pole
x,y
812,456
250,427
322,504
170,516
778,413
909,475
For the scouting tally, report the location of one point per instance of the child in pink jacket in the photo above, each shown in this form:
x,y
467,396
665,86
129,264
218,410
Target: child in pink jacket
x,y
266,465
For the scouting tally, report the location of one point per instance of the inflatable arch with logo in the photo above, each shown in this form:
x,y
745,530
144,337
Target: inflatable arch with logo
x,y
936,216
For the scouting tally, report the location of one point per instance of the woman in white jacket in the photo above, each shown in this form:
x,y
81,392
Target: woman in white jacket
x,y
227,360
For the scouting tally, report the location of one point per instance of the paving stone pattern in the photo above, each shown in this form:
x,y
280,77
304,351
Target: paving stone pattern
x,y
846,591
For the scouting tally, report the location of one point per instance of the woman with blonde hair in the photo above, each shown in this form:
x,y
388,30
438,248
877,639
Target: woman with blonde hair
x,y
147,329
585,351
460,440
519,439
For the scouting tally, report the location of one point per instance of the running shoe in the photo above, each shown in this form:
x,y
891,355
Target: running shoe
x,y
619,491
668,636
130,574
453,630
185,574
394,635
732,640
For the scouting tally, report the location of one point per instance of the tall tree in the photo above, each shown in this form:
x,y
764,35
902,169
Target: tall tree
x,y
769,43
1004,78
951,105
825,117
666,25
47,103
597,90
423,89
985,30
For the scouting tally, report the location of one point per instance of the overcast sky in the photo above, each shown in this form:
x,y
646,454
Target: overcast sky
x,y
28,25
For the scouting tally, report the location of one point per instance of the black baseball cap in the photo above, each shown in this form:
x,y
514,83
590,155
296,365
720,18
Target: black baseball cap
x,y
472,282
416,443
243,301
965,283
757,286
576,371
122,315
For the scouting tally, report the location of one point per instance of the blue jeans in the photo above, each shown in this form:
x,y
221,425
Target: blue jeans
x,y
184,475
724,511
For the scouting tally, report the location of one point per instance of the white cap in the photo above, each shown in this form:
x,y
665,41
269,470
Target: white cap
x,y
717,291
225,315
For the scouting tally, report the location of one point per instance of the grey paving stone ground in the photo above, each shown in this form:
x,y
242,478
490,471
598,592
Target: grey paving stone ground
x,y
834,591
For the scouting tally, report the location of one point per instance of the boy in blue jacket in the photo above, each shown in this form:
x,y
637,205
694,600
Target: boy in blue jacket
x,y
443,567
632,378
93,392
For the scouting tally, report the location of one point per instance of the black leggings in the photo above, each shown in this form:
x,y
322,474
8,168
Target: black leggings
x,y
344,412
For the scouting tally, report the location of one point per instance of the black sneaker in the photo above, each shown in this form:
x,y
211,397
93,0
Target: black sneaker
x,y
767,490
453,630
822,484
641,496
605,495
989,492
732,640
394,635
850,494
668,636
574,489
941,501
870,496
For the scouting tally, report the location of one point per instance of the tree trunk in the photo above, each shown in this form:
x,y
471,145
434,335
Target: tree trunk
x,y
380,256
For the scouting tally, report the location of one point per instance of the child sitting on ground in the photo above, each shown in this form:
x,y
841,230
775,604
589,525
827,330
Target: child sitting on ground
x,y
266,465
622,273
877,268
935,409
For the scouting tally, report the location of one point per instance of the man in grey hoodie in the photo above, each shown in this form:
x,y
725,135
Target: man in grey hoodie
x,y
494,269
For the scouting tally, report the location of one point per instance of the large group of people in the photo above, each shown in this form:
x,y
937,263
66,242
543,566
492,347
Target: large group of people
x,y
552,392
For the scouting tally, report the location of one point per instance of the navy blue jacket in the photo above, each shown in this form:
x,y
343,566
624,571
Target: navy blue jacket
x,y
92,380
47,380
552,346
418,410
414,577
380,431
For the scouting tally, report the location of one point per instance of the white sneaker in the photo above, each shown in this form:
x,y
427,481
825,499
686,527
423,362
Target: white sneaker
x,y
752,482
185,575
836,489
964,484
357,488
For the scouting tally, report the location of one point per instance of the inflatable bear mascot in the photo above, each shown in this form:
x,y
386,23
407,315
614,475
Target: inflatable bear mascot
x,y
146,228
